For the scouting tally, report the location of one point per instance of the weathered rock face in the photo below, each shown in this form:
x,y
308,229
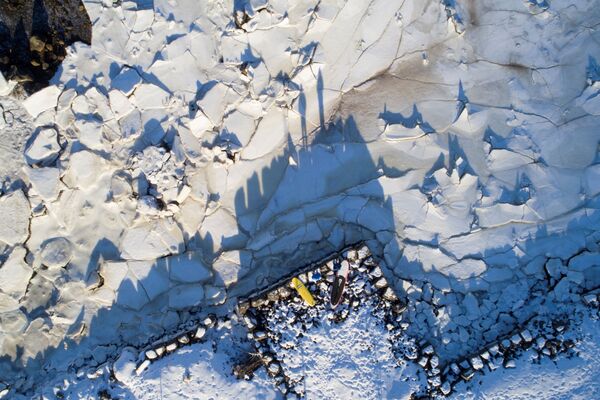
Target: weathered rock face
x,y
34,35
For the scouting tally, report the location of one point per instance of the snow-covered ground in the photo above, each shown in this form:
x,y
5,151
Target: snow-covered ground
x,y
198,151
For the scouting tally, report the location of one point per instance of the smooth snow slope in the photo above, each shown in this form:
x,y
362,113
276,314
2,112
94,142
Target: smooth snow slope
x,y
222,144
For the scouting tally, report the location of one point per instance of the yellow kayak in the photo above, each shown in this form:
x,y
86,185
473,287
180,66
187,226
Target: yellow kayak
x,y
303,291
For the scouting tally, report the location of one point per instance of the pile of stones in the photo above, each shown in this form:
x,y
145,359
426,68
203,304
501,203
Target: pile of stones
x,y
164,347
281,306
266,313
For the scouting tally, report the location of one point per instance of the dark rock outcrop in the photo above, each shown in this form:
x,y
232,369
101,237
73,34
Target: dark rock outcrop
x,y
34,35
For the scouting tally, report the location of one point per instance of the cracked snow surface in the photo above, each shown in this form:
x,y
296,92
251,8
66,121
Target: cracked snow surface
x,y
199,151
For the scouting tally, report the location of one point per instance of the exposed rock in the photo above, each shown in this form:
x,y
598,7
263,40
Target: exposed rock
x,y
142,367
200,332
35,35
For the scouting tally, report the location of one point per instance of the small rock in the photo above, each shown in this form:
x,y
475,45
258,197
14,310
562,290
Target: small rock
x,y
268,358
363,252
183,339
467,374
540,342
446,388
526,335
428,350
250,322
494,350
370,262
274,368
171,347
330,266
257,303
389,295
516,339
477,363
455,368
95,374
381,283
209,321
547,351
352,254
284,292
323,287
411,354
142,367
509,364
224,323
435,381
260,335
273,295
243,307
36,44
590,299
